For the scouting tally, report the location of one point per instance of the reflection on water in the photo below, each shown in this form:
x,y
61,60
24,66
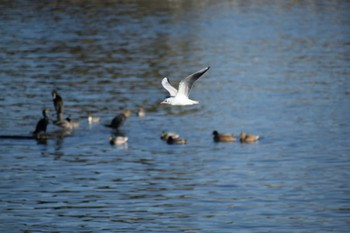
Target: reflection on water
x,y
278,69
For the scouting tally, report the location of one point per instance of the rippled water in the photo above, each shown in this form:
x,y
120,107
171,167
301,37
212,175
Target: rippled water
x,y
279,69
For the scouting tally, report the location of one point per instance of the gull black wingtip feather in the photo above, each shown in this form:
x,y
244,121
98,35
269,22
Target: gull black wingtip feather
x,y
207,68
203,70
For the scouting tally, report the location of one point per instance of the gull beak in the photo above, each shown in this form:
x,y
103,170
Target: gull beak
x,y
162,102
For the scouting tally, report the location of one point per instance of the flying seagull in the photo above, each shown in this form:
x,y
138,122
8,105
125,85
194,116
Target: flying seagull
x,y
180,96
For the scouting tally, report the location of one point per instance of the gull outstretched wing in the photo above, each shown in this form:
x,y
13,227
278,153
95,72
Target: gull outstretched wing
x,y
187,83
166,84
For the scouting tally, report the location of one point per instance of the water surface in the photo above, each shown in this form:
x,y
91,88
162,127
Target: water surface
x,y
278,69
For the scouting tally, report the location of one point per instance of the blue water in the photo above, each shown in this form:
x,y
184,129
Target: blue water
x,y
279,69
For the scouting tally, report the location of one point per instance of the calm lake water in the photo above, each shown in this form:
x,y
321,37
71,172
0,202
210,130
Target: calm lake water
x,y
279,69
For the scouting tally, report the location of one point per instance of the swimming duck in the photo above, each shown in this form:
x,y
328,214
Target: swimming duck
x,y
67,124
41,126
119,120
93,119
117,140
58,104
165,135
172,141
74,123
141,112
64,124
248,138
220,137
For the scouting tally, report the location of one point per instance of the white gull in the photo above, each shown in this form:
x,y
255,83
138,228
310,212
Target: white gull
x,y
181,96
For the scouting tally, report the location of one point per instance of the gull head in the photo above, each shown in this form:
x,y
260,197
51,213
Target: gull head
x,y
167,100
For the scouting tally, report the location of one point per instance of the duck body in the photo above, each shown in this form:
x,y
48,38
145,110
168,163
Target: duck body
x,y
64,124
220,137
74,123
176,141
67,124
165,135
117,140
93,119
141,112
248,138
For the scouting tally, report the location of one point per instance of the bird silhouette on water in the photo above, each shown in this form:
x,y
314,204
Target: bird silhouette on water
x,y
58,104
248,138
119,120
223,137
176,140
42,124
